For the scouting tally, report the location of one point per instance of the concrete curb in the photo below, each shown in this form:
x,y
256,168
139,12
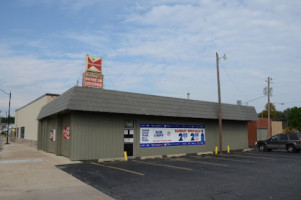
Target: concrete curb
x,y
150,157
247,150
110,159
175,155
204,153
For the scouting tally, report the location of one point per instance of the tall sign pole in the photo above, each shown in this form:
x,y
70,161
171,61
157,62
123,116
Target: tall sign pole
x,y
219,107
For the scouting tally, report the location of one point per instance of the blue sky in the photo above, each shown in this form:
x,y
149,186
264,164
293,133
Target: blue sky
x,y
160,47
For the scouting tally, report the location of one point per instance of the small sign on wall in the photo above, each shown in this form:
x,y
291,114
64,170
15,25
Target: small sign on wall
x,y
66,133
129,140
52,135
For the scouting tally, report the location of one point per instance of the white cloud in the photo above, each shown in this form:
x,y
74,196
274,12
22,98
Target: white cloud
x,y
74,5
29,77
168,47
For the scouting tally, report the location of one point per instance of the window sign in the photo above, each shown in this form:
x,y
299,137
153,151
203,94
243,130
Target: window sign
x,y
66,133
52,135
164,135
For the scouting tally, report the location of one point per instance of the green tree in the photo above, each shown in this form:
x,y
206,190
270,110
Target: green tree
x,y
273,111
294,118
4,120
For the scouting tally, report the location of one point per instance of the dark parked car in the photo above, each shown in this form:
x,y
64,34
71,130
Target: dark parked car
x,y
288,141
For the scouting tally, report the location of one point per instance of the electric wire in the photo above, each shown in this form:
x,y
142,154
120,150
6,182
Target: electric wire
x,y
235,85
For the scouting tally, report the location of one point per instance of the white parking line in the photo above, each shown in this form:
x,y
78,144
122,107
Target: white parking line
x,y
171,166
118,168
244,156
193,161
219,158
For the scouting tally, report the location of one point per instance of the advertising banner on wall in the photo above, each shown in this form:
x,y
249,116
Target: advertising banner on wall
x,y
66,133
165,135
93,64
52,135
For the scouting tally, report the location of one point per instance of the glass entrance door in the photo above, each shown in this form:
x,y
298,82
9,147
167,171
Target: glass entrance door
x,y
128,133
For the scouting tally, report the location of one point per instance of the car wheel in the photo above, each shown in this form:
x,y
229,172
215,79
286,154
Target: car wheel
x,y
291,149
262,147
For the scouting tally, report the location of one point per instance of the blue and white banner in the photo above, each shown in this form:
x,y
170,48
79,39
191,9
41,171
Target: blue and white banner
x,y
165,135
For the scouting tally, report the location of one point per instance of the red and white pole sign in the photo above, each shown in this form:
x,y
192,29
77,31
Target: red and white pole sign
x,y
91,79
93,64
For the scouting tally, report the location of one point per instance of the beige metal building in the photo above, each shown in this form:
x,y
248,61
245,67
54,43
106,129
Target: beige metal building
x,y
90,123
276,127
26,118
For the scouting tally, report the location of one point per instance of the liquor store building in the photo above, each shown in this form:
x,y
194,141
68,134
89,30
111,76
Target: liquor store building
x,y
91,123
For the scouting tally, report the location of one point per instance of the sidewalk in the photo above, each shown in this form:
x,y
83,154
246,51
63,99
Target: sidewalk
x,y
29,174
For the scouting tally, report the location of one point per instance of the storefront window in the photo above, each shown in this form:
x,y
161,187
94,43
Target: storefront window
x,y
22,132
128,124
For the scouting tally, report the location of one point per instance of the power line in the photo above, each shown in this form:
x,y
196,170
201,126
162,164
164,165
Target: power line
x,y
254,99
235,85
292,101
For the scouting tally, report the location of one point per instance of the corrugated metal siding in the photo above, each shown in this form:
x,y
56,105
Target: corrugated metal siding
x,y
65,145
40,128
59,146
235,134
100,135
45,136
96,135
44,128
42,137
51,145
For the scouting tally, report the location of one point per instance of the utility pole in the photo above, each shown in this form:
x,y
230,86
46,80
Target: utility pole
x,y
8,114
269,106
8,118
220,125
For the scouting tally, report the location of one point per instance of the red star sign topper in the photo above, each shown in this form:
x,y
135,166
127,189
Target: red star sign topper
x,y
93,64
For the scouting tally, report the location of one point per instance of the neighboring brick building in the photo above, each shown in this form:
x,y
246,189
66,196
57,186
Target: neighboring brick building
x,y
259,130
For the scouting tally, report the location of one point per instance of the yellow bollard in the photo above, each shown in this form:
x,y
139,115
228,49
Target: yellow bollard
x,y
228,149
125,156
216,150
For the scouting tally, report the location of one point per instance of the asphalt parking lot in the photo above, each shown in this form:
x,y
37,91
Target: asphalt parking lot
x,y
249,175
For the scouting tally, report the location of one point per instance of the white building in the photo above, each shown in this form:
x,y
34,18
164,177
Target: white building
x,y
26,117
